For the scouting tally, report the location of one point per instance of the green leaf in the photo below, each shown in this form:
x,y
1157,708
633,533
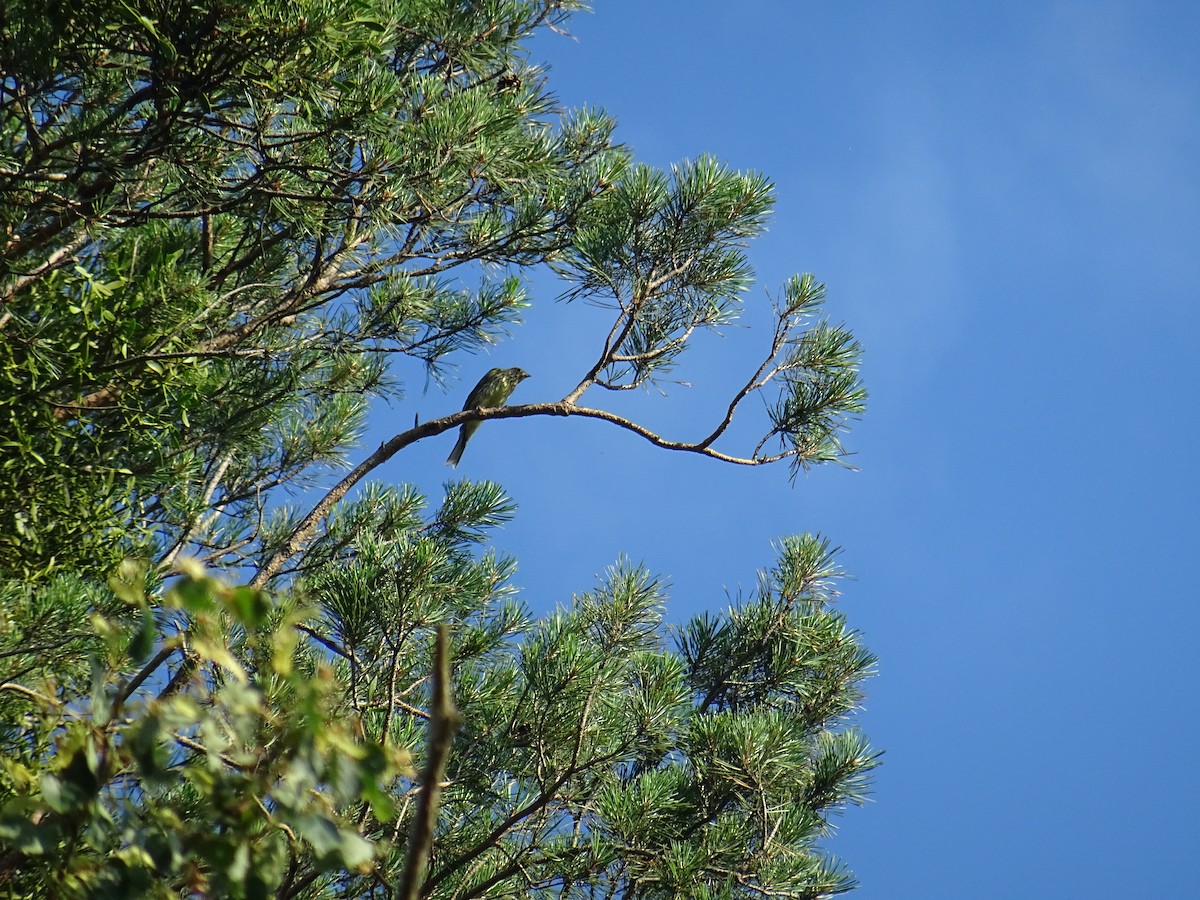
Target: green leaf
x,y
334,846
195,595
19,834
250,606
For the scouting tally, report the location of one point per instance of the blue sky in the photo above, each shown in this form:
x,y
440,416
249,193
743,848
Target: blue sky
x,y
1004,201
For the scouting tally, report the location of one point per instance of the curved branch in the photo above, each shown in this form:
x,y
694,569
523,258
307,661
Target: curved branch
x,y
782,325
616,337
569,409
325,505
304,530
624,325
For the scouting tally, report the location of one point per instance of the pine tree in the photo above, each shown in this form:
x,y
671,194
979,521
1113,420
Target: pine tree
x,y
223,225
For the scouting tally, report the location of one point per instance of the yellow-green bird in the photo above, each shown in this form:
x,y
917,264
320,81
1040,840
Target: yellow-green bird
x,y
493,389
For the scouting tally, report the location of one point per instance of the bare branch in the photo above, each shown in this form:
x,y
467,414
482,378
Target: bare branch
x,y
757,380
445,721
147,670
304,530
325,642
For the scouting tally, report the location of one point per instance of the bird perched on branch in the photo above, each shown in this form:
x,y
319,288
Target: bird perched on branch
x,y
493,389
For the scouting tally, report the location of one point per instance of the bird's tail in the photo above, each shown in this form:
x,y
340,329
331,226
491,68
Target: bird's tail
x,y
457,452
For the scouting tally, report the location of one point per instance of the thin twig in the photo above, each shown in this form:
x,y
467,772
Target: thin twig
x,y
147,670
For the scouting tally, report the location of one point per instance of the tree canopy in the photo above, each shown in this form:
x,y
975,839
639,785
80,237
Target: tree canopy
x,y
233,665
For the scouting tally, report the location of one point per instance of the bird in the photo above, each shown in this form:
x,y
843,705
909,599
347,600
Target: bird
x,y
493,389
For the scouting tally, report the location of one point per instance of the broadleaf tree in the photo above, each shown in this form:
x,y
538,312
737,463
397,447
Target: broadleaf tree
x,y
231,663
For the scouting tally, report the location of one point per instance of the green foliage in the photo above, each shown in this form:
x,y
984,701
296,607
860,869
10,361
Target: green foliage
x,y
819,370
47,637
225,230
221,221
210,781
671,251
598,751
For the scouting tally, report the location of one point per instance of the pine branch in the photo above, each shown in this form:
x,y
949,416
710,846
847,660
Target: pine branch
x,y
304,530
